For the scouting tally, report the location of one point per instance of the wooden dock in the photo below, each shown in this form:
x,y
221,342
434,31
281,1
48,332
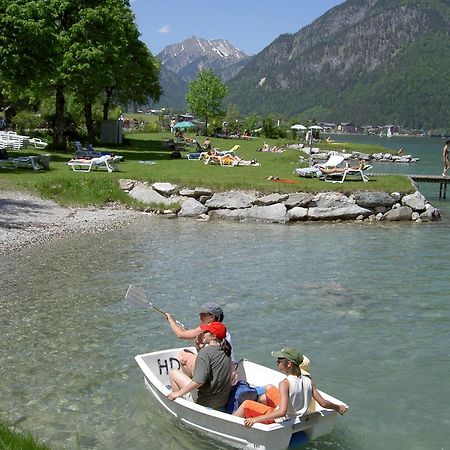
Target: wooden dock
x,y
433,179
427,179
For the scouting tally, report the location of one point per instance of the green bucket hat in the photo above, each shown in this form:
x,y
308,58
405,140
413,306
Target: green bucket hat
x,y
291,354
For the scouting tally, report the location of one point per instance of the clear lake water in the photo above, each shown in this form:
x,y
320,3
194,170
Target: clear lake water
x,y
367,302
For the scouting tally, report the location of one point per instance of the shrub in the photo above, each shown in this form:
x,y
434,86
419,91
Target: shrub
x,y
26,120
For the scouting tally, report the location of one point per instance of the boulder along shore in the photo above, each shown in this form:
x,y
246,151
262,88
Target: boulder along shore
x,y
204,204
27,219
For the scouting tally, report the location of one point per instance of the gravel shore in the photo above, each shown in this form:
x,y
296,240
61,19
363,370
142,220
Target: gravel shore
x,y
26,219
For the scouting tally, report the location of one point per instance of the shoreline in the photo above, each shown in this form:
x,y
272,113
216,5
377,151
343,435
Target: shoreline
x,y
26,219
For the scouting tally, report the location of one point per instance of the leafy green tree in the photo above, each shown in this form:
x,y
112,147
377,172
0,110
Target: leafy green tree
x,y
232,118
205,95
106,59
251,122
136,79
54,47
30,57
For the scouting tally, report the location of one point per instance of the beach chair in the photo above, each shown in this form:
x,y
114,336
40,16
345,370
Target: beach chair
x,y
224,157
232,151
29,162
334,160
38,143
105,162
5,161
347,173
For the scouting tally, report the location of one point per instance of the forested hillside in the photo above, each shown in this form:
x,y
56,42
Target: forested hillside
x,y
365,61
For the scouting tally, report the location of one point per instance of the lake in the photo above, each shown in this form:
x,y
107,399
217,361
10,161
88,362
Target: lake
x,y
367,302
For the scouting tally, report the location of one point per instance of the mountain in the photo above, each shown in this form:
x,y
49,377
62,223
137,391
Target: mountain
x,y
194,54
174,90
182,62
364,61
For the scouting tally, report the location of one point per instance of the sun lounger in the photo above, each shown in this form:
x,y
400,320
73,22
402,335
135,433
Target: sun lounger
x,y
105,162
35,162
334,160
10,163
38,143
350,172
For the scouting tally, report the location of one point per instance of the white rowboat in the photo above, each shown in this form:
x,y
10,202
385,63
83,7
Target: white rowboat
x,y
225,427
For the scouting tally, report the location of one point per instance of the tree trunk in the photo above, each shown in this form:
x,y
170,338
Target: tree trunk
x,y
107,103
89,122
58,134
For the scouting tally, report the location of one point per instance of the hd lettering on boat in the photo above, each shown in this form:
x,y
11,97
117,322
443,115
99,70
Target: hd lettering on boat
x,y
167,365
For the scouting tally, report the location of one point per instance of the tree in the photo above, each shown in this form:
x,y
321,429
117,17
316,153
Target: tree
x,y
205,95
53,47
232,118
106,58
31,58
251,122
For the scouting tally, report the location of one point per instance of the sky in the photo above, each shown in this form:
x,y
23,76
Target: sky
x,y
250,25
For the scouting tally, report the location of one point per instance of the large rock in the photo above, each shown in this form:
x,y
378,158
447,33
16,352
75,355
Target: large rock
x,y
330,200
272,213
431,214
298,199
231,214
373,199
400,213
271,199
201,191
192,208
166,189
146,194
415,201
187,192
230,200
126,185
348,211
297,213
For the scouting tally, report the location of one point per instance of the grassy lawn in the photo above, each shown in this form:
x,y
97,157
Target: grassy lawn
x,y
99,187
15,439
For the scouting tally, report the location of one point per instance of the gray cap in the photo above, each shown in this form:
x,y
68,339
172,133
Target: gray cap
x,y
212,308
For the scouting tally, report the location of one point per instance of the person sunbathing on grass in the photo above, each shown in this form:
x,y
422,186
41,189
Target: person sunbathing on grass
x,y
328,170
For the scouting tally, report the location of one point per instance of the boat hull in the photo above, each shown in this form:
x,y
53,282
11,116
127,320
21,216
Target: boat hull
x,y
225,427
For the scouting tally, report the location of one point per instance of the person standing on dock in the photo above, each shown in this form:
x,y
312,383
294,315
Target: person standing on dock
x,y
445,156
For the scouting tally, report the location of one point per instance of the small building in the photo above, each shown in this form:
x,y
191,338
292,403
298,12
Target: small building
x,y
328,127
348,127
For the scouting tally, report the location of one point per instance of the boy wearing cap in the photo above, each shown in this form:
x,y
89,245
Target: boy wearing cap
x,y
212,370
209,312
291,398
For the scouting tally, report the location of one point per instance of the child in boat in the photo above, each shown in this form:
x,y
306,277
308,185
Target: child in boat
x,y
291,398
209,312
211,378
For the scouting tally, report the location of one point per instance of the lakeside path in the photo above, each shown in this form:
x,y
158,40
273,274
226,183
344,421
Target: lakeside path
x,y
26,219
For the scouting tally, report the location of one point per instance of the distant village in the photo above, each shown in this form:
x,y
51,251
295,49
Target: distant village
x,y
331,128
381,130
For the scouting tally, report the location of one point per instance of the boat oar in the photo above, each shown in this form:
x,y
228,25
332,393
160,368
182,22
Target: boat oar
x,y
137,298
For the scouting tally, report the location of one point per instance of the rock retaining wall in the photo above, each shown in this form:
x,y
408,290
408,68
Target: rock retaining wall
x,y
203,203
318,155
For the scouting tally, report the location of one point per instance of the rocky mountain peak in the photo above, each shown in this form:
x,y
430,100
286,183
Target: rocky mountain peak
x,y
193,54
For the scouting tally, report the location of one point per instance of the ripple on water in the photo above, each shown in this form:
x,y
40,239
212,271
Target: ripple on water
x,y
368,304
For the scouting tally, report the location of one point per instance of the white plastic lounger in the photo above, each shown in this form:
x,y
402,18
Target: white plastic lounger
x,y
105,162
334,160
340,177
